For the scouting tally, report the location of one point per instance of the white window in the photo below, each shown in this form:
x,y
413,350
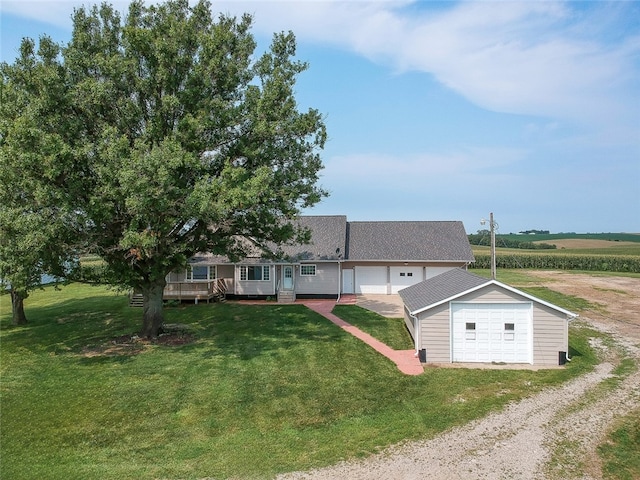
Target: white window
x,y
470,331
201,273
307,270
254,272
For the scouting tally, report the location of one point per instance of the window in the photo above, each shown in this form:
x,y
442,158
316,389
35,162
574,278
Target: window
x,y
470,333
509,331
254,272
410,274
200,273
307,270
402,274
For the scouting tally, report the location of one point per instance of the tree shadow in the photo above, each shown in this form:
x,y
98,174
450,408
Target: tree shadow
x,y
71,324
88,328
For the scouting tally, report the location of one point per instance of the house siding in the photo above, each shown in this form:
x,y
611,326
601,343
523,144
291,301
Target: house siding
x,y
176,276
550,335
326,281
226,272
409,321
256,287
435,334
550,327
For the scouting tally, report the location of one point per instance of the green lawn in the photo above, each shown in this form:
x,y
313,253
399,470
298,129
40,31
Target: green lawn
x,y
261,390
391,331
620,453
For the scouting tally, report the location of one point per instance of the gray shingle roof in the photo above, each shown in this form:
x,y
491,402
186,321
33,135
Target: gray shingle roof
x,y
328,237
333,239
408,241
440,288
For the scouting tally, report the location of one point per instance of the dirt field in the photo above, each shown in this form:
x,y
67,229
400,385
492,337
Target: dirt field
x,y
552,435
618,298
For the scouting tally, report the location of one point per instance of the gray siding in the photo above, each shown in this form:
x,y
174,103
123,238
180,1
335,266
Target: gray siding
x,y
435,334
550,335
409,322
176,276
227,272
256,287
326,281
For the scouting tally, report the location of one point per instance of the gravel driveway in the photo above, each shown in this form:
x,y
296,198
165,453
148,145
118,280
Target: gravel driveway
x,y
551,435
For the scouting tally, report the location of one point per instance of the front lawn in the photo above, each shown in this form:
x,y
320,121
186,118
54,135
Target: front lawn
x,y
259,389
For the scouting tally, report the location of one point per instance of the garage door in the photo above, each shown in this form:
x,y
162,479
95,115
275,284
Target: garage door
x,y
371,280
492,332
402,277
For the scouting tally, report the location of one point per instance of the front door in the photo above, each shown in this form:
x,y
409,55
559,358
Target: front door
x,y
287,277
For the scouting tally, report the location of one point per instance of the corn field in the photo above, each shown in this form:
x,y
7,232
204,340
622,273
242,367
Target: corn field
x,y
539,261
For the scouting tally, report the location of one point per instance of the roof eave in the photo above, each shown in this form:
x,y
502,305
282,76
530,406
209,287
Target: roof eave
x,y
500,284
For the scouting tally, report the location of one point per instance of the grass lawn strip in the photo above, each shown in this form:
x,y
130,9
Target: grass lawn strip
x,y
390,331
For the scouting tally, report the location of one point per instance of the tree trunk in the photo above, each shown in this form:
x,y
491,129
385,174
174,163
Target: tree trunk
x,y
153,316
17,307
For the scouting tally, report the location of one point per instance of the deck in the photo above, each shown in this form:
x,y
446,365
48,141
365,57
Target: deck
x,y
215,290
196,291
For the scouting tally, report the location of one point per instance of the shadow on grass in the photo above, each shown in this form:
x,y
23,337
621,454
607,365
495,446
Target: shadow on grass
x,y
70,324
85,326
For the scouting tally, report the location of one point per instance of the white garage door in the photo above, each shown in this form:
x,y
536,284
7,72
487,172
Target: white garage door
x,y
402,277
492,332
371,280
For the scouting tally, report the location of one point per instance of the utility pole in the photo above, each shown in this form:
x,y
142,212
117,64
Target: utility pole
x,y
493,246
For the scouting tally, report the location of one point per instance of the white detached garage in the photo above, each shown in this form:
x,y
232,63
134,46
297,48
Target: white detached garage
x,y
458,316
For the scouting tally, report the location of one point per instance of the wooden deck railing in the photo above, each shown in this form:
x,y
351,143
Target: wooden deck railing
x,y
196,290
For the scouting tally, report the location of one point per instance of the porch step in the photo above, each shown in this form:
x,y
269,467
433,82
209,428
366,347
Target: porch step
x,y
286,296
135,300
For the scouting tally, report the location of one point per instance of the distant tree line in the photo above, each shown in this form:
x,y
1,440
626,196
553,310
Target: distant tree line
x,y
535,232
483,238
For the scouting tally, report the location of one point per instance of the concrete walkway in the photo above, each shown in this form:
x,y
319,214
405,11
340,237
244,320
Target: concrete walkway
x,y
405,360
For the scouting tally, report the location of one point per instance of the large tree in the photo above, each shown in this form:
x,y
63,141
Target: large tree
x,y
175,138
35,227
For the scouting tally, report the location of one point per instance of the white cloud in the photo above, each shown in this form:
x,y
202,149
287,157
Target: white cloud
x,y
551,59
535,58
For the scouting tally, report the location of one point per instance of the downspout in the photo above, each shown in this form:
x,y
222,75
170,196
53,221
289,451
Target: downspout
x,y
566,354
416,333
339,280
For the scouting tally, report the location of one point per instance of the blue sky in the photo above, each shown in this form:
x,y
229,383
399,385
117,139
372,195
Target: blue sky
x,y
452,110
